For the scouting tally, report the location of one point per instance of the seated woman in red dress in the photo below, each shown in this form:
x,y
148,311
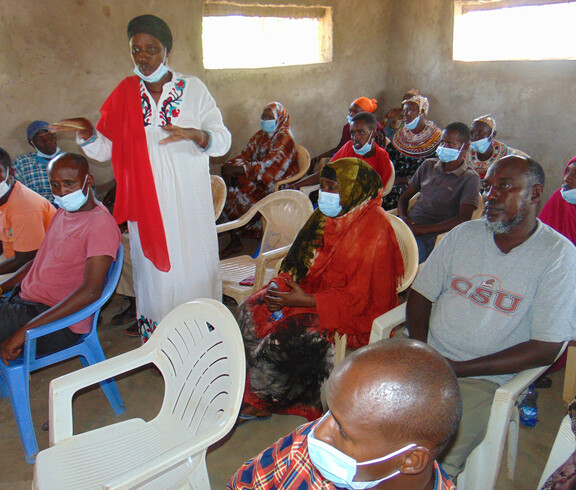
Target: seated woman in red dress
x,y
339,275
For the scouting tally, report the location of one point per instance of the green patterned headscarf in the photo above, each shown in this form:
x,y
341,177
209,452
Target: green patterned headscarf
x,y
358,183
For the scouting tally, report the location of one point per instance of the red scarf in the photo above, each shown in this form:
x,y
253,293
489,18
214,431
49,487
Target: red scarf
x,y
136,198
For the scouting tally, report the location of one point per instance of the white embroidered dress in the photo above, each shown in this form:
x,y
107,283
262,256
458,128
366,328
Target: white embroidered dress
x,y
181,174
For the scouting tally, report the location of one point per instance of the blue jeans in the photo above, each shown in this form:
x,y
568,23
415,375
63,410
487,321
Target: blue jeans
x,y
425,245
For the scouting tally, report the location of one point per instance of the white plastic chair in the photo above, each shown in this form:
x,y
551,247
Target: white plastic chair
x,y
409,250
284,213
218,194
483,464
564,446
198,349
303,166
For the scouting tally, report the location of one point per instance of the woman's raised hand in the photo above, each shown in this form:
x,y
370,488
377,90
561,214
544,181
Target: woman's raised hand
x,y
79,125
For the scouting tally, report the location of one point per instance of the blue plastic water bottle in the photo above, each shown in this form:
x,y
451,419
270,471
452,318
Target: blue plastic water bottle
x,y
528,408
277,315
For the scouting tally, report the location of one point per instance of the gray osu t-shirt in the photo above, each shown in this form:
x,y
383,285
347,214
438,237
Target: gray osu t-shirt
x,y
485,301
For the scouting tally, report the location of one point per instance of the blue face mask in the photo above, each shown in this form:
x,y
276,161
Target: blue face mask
x,y
412,124
73,201
366,148
158,73
569,195
268,125
349,118
448,155
339,468
329,203
481,146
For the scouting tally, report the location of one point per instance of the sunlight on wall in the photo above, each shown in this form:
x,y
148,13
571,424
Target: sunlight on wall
x,y
256,42
518,33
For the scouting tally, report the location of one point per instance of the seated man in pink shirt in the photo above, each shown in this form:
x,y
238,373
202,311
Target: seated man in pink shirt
x,y
24,219
69,270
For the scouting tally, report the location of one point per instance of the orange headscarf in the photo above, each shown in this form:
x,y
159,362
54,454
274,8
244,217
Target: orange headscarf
x,y
368,105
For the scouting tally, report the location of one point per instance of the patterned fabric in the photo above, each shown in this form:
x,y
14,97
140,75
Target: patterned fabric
x,y
286,465
170,106
30,170
266,159
417,145
351,264
407,152
481,167
564,478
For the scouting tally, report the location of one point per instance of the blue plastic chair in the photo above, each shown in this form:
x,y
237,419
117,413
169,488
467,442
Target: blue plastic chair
x,y
14,379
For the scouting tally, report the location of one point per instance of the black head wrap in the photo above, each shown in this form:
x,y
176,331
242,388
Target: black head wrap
x,y
150,24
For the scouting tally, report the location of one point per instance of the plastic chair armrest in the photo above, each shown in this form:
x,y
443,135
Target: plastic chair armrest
x,y
56,325
262,263
383,325
237,223
62,389
518,383
156,466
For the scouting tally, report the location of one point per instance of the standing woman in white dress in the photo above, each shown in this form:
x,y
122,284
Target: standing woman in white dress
x,y
159,128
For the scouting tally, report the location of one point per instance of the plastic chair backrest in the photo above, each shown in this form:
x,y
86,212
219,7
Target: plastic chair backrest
x,y
564,446
201,356
284,213
303,166
218,194
409,249
198,349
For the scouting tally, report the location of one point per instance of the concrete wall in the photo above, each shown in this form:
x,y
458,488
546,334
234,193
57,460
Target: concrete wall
x,y
531,100
62,59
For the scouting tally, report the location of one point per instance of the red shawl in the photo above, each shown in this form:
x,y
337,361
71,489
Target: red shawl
x,y
136,198
560,214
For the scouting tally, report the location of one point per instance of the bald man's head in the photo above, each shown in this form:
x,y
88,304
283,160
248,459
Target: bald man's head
x,y
402,389
72,160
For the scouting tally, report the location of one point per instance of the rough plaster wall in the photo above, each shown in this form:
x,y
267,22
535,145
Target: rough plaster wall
x,y
532,101
62,60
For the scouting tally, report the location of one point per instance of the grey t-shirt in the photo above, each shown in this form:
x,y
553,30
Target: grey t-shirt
x,y
486,301
442,193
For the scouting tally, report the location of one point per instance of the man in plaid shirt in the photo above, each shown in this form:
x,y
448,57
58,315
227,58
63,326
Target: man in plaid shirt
x,y
30,169
394,406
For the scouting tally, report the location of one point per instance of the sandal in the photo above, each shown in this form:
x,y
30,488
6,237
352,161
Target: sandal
x,y
132,330
126,316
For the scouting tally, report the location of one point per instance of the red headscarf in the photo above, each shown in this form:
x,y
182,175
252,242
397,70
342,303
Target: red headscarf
x,y
560,214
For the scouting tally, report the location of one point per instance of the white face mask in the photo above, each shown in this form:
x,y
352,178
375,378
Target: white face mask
x,y
339,468
4,186
157,75
44,155
412,124
73,201
569,195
